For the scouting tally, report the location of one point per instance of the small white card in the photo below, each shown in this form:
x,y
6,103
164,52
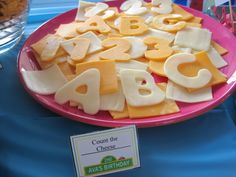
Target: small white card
x,y
106,151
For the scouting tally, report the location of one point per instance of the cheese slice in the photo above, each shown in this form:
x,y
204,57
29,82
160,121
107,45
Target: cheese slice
x,y
51,47
80,49
202,61
221,50
197,25
114,101
93,57
67,30
95,43
195,38
178,93
182,49
98,8
158,33
166,107
195,20
143,60
157,67
39,46
179,10
132,64
109,83
80,16
136,9
44,82
216,58
137,47
120,115
66,69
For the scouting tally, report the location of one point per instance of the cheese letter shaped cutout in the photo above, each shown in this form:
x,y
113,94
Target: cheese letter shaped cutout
x,y
91,79
162,48
132,25
140,89
95,23
171,70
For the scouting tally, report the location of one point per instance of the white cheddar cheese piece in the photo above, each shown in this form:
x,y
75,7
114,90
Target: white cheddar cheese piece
x,y
171,70
162,6
127,4
69,45
132,64
108,14
95,43
216,58
136,9
181,49
67,30
158,2
195,38
44,82
114,101
137,82
98,8
149,19
138,48
158,33
178,93
91,79
51,48
81,10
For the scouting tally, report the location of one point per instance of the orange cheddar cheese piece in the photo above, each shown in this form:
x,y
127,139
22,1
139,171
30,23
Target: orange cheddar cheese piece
x,y
221,50
66,69
202,61
163,108
197,25
162,49
195,20
120,115
143,60
117,49
132,25
157,67
109,83
178,10
38,49
39,46
46,64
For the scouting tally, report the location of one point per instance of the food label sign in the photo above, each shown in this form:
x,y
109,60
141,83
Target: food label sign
x,y
106,151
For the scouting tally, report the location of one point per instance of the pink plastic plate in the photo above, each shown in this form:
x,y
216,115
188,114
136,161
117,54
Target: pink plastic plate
x,y
221,35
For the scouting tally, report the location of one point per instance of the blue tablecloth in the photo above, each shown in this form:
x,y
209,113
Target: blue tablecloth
x,y
34,142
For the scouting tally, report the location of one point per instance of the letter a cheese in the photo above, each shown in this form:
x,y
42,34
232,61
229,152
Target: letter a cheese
x,y
90,78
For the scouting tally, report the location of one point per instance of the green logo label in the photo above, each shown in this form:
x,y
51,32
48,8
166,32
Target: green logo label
x,y
108,163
